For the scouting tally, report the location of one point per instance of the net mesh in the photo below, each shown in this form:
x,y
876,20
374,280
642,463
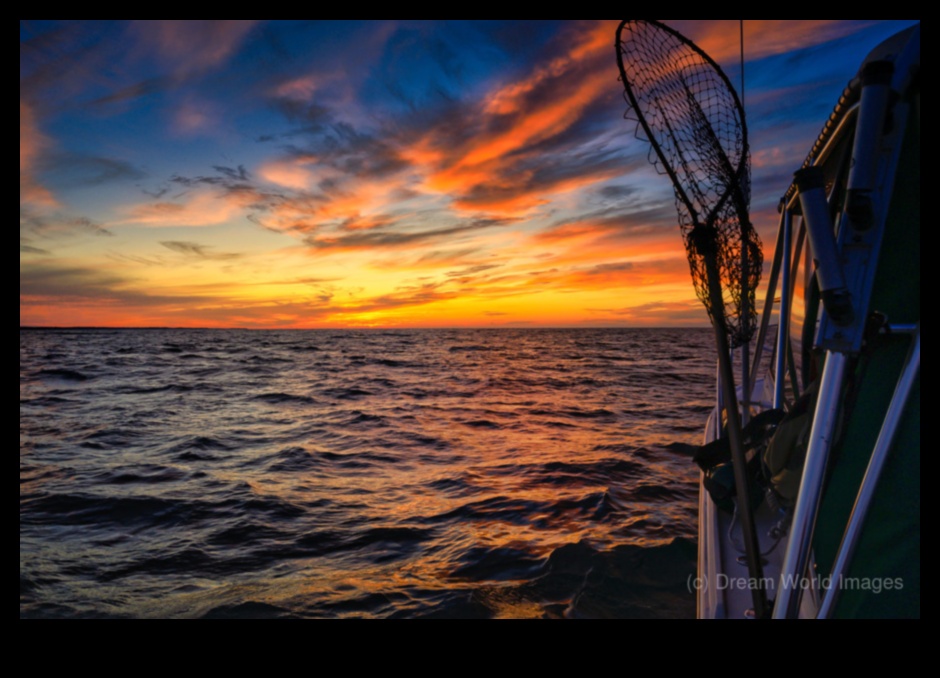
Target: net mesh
x,y
687,109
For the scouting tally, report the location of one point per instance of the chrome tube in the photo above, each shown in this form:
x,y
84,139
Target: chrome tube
x,y
783,324
797,253
796,559
768,309
824,146
870,483
836,299
719,396
876,92
745,385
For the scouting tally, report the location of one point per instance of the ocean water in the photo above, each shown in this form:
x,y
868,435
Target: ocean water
x,y
412,473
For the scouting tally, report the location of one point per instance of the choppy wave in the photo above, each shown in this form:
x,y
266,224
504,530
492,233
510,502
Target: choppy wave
x,y
423,474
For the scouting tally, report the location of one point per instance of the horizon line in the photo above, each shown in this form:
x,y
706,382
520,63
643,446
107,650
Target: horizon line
x,y
381,328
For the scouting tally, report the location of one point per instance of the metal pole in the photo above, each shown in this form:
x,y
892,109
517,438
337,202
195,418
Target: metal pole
x,y
783,324
836,298
739,461
720,395
745,318
745,293
870,483
796,558
767,311
745,383
875,77
797,254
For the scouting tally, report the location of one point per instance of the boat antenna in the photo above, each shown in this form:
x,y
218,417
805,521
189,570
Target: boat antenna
x,y
745,356
686,108
741,23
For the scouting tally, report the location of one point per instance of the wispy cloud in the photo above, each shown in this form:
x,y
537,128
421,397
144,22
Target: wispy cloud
x,y
765,37
193,249
70,169
56,226
195,117
377,239
29,249
90,226
32,144
201,207
659,313
64,294
192,46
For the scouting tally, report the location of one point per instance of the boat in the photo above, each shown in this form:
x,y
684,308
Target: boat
x,y
829,395
846,543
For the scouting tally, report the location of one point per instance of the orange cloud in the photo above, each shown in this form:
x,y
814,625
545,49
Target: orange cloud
x,y
484,171
624,236
290,174
353,204
362,196
490,165
531,125
32,144
720,39
199,208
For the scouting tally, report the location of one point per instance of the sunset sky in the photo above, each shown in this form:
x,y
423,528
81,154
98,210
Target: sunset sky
x,y
377,174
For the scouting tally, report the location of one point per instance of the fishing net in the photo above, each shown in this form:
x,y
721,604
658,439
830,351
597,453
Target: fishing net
x,y
686,108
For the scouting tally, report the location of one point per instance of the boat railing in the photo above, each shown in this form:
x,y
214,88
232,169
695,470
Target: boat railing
x,y
843,207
